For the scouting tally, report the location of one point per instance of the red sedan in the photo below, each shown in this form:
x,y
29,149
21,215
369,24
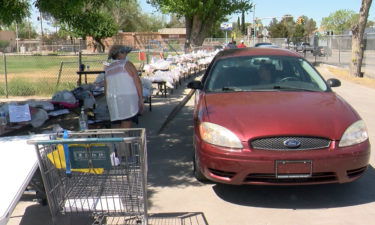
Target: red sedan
x,y
266,116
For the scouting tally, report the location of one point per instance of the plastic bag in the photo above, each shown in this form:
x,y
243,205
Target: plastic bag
x,y
38,117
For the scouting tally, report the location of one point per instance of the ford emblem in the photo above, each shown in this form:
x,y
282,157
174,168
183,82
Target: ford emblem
x,y
292,143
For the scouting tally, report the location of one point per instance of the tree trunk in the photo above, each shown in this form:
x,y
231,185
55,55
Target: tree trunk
x,y
243,25
188,25
197,29
358,45
102,46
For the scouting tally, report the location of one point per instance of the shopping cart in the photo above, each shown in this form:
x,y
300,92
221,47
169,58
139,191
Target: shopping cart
x,y
98,173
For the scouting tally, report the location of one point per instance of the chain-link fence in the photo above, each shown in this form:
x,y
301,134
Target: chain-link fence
x,y
43,75
334,50
36,74
337,50
30,75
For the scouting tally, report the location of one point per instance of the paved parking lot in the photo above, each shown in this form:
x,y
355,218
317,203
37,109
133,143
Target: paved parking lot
x,y
172,188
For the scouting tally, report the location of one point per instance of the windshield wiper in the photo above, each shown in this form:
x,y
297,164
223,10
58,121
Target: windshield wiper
x,y
288,88
231,89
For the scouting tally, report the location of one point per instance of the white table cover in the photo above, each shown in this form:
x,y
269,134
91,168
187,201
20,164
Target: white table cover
x,y
18,163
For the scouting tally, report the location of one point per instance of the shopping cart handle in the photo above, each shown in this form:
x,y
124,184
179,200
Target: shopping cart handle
x,y
84,140
66,153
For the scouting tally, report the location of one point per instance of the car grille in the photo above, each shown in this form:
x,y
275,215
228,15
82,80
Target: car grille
x,y
277,143
271,178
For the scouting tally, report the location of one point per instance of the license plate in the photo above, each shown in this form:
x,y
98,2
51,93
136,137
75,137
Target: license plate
x,y
293,169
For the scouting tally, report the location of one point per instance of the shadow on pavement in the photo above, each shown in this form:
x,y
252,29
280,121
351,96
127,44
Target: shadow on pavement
x,y
170,153
180,218
42,215
359,192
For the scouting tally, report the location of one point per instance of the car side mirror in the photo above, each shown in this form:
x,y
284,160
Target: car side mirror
x,y
334,82
196,84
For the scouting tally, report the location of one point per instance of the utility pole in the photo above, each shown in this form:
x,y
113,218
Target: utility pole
x,y
41,24
41,31
17,39
254,24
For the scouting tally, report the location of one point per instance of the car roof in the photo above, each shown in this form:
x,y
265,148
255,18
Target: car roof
x,y
228,53
262,43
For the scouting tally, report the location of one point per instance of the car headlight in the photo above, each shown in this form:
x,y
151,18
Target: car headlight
x,y
355,134
218,135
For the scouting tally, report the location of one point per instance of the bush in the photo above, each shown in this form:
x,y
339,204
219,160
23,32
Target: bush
x,y
4,44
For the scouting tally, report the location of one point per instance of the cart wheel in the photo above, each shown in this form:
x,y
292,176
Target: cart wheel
x,y
197,171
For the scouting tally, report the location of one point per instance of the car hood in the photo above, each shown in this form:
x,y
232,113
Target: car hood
x,y
259,114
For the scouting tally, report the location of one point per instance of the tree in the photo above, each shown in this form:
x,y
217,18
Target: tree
x,y
340,21
244,7
176,22
25,30
3,45
129,18
84,17
96,25
200,15
278,29
13,11
309,26
358,45
243,26
299,32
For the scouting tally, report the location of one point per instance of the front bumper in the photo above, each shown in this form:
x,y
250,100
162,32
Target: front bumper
x,y
330,165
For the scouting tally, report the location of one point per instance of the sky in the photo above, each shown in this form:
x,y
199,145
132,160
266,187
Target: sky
x,y
316,9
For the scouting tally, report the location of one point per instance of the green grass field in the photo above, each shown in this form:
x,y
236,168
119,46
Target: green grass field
x,y
29,75
32,63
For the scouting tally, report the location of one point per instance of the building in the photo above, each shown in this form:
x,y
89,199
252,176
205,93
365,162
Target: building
x,y
141,40
8,37
173,33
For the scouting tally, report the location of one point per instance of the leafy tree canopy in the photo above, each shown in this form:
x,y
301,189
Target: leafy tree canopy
x,y
13,11
293,30
201,15
129,17
25,30
83,17
340,21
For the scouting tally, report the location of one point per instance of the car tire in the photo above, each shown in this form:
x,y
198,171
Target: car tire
x,y
197,171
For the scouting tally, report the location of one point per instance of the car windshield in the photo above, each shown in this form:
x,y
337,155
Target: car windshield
x,y
263,73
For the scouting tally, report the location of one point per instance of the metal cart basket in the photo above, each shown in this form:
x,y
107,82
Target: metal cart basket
x,y
100,173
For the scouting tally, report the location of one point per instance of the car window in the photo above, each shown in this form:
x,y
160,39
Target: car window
x,y
263,73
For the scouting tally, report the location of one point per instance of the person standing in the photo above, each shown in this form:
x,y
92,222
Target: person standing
x,y
241,45
123,88
231,45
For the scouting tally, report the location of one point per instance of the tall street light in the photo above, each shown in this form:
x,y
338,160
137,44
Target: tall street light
x,y
17,39
254,24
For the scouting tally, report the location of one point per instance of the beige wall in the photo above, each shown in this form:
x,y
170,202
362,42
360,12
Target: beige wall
x,y
8,36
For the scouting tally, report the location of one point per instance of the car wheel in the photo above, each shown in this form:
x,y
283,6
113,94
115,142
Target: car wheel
x,y
197,170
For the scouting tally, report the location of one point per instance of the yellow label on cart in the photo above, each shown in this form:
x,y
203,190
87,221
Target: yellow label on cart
x,y
57,158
